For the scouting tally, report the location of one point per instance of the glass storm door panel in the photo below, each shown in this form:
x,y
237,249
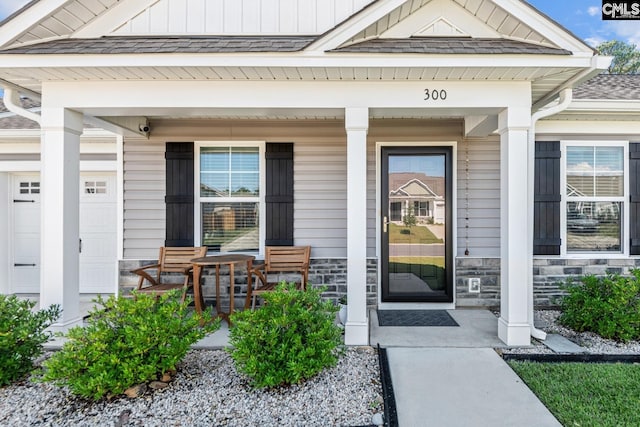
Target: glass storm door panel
x,y
416,224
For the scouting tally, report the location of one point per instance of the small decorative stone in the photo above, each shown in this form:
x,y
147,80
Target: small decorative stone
x,y
167,377
377,419
157,385
135,391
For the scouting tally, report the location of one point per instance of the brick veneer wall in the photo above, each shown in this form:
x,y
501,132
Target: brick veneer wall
x,y
330,272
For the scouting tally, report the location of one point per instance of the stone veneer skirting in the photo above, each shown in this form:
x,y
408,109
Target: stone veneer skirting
x,y
548,276
329,272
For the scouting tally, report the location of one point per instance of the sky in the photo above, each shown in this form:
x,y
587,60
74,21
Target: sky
x,y
582,17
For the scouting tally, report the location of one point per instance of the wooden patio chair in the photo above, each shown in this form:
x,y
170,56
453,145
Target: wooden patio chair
x,y
279,260
175,260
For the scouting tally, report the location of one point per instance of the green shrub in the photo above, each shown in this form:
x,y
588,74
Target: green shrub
x,y
608,306
125,343
22,335
291,337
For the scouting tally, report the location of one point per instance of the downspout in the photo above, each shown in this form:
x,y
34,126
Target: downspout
x,y
566,96
11,100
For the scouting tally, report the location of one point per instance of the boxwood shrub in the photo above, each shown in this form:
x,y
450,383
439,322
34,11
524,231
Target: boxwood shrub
x,y
127,341
22,334
608,306
292,336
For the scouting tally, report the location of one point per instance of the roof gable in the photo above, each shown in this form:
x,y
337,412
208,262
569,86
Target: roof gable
x,y
338,22
498,19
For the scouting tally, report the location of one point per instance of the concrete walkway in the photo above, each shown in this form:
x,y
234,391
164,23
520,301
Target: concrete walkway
x,y
452,376
461,387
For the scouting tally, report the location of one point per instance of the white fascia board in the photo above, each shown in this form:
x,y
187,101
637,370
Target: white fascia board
x,y
59,62
20,147
604,106
34,166
543,25
354,25
28,19
156,98
589,128
113,18
20,133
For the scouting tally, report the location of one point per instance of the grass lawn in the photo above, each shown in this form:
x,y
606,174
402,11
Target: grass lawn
x,y
586,394
431,260
416,234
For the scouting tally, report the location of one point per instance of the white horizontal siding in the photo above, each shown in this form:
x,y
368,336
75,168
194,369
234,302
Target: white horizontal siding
x,y
242,17
483,198
144,191
320,201
320,174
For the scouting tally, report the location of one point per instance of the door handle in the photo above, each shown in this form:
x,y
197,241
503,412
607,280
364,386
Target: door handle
x,y
23,265
385,222
80,245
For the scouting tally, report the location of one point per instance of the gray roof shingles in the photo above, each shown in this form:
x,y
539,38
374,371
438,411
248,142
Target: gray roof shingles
x,y
610,86
239,44
18,122
454,45
178,44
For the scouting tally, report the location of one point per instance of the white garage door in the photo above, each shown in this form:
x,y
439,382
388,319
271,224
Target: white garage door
x,y
97,234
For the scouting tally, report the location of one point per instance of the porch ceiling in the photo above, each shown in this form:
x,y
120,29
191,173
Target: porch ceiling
x,y
304,113
544,79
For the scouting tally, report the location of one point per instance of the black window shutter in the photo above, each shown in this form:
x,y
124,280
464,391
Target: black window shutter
x,y
546,199
179,194
279,194
634,198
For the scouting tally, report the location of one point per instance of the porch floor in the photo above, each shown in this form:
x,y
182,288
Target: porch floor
x,y
478,328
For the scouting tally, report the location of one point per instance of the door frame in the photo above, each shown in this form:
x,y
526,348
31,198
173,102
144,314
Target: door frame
x,y
454,227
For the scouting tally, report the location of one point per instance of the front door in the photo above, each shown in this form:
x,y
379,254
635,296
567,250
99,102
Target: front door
x,y
416,226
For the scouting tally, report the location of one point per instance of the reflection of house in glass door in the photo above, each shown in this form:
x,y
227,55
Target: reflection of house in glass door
x,y
419,195
416,234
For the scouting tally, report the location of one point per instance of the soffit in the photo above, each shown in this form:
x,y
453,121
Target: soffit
x,y
66,20
544,79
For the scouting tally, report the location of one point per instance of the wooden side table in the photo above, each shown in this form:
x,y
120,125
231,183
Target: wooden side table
x,y
217,261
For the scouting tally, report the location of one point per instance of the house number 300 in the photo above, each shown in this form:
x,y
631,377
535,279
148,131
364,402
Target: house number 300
x,y
435,95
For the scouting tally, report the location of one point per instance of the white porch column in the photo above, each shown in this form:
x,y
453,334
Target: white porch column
x,y
513,326
357,326
60,204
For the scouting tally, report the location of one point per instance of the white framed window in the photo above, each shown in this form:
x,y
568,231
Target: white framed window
x,y
229,196
594,188
421,208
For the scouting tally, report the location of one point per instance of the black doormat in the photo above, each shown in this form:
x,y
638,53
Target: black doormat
x,y
415,318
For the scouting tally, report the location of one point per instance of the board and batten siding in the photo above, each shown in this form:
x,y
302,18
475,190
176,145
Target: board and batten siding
x,y
482,192
241,17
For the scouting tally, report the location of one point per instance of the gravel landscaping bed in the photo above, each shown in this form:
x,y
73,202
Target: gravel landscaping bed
x,y
207,391
547,320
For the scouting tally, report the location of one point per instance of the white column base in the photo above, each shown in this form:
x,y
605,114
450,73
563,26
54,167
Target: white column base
x,y
357,333
514,334
65,325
